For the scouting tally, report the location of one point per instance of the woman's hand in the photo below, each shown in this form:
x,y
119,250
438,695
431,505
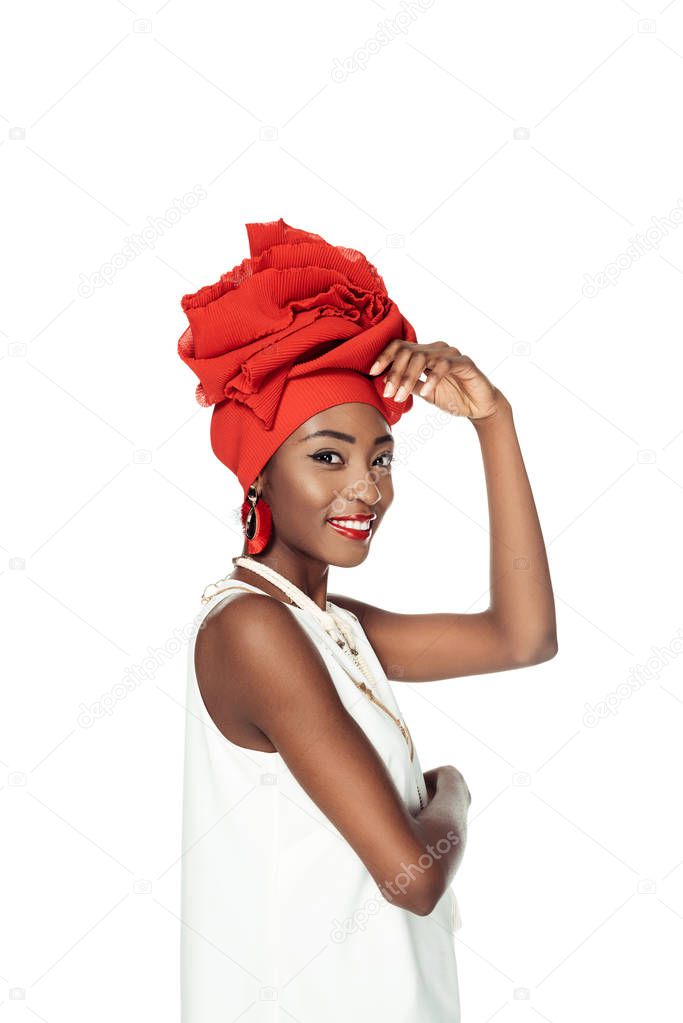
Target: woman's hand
x,y
433,776
430,778
454,384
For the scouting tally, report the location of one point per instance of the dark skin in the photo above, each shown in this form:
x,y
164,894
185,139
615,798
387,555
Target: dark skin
x,y
264,681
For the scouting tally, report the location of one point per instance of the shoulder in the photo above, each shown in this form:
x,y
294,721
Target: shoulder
x,y
258,655
258,640
253,655
245,618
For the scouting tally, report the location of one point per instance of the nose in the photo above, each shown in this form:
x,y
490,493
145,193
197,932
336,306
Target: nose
x,y
365,490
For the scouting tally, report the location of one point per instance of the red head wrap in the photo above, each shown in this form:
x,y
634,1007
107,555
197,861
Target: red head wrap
x,y
291,331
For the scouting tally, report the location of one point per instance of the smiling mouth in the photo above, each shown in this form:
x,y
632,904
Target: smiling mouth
x,y
353,528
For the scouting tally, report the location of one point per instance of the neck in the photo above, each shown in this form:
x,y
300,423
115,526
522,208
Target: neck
x,y
307,574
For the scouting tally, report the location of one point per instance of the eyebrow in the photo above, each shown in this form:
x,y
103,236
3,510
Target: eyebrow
x,y
344,436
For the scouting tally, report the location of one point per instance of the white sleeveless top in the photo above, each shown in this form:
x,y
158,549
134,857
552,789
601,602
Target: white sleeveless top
x,y
281,920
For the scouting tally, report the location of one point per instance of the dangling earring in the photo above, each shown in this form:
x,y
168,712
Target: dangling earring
x,y
256,521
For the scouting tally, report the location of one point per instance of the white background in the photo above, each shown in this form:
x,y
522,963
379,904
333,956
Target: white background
x,y
490,160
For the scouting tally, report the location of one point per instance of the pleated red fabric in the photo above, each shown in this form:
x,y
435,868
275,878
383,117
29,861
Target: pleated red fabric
x,y
291,331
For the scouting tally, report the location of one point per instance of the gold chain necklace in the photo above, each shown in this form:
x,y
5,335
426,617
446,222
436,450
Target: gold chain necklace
x,y
361,664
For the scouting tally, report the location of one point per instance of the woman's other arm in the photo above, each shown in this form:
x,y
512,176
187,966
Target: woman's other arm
x,y
258,661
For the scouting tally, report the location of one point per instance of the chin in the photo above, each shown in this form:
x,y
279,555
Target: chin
x,y
346,553
351,559
346,548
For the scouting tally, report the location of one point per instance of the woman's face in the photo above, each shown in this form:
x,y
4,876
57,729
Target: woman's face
x,y
336,465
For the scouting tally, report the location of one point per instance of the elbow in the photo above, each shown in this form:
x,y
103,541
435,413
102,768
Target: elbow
x,y
537,654
417,896
431,894
547,651
424,902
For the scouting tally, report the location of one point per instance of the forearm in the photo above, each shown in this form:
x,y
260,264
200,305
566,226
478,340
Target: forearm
x,y
521,601
445,817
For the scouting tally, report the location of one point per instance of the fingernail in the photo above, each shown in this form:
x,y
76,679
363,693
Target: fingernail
x,y
401,394
375,367
388,390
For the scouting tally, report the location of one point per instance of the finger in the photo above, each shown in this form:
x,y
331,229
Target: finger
x,y
385,356
388,353
411,374
421,362
436,373
397,369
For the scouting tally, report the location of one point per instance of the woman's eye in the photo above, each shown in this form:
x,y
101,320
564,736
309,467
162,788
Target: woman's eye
x,y
326,454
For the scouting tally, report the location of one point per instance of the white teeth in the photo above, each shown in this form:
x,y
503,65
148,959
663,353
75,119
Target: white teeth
x,y
363,527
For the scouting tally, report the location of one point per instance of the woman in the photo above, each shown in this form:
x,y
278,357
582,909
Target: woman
x,y
318,858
